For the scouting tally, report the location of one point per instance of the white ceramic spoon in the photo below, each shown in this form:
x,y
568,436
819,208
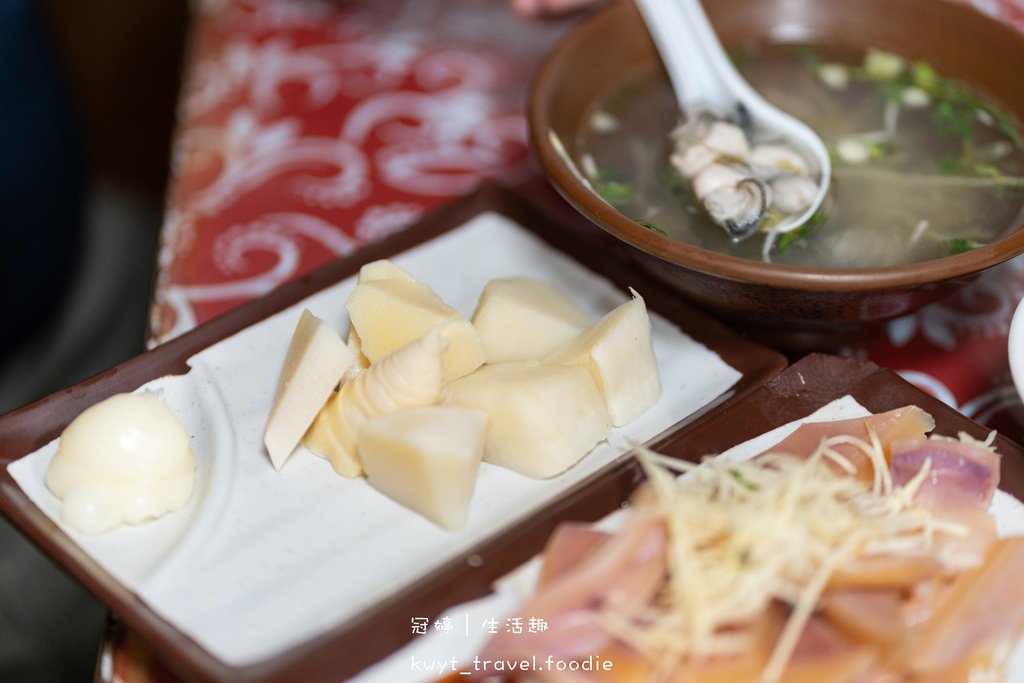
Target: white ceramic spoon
x,y
705,79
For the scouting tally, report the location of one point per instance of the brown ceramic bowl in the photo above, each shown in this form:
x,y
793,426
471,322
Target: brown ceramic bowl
x,y
613,42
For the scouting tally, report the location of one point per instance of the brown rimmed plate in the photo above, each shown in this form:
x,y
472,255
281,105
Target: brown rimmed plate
x,y
346,649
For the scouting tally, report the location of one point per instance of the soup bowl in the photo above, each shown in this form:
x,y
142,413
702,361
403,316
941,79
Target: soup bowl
x,y
789,303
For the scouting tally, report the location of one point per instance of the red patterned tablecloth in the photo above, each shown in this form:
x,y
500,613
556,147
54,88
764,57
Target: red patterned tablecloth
x,y
310,127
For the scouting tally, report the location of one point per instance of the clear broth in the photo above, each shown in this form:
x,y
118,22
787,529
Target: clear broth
x,y
908,206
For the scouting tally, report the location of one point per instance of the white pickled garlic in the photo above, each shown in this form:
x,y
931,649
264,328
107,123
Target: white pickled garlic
x,y
124,459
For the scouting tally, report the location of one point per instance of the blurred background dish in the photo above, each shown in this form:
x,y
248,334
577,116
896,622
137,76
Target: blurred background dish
x,y
1015,348
784,302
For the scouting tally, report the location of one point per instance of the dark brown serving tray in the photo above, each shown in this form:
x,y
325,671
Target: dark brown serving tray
x,y
354,645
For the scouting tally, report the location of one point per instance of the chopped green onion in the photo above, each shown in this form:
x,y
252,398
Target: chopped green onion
x,y
808,56
615,193
986,171
891,91
1004,124
673,181
651,226
950,164
742,56
742,481
955,119
880,150
608,184
924,76
788,239
882,66
957,245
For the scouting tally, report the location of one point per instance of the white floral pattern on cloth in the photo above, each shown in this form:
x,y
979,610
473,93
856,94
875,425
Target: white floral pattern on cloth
x,y
358,115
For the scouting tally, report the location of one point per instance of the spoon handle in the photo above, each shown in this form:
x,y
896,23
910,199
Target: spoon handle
x,y
694,59
705,79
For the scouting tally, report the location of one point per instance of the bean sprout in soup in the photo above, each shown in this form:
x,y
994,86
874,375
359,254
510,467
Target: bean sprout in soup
x,y
923,166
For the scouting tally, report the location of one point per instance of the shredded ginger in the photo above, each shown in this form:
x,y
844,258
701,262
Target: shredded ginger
x,y
742,535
